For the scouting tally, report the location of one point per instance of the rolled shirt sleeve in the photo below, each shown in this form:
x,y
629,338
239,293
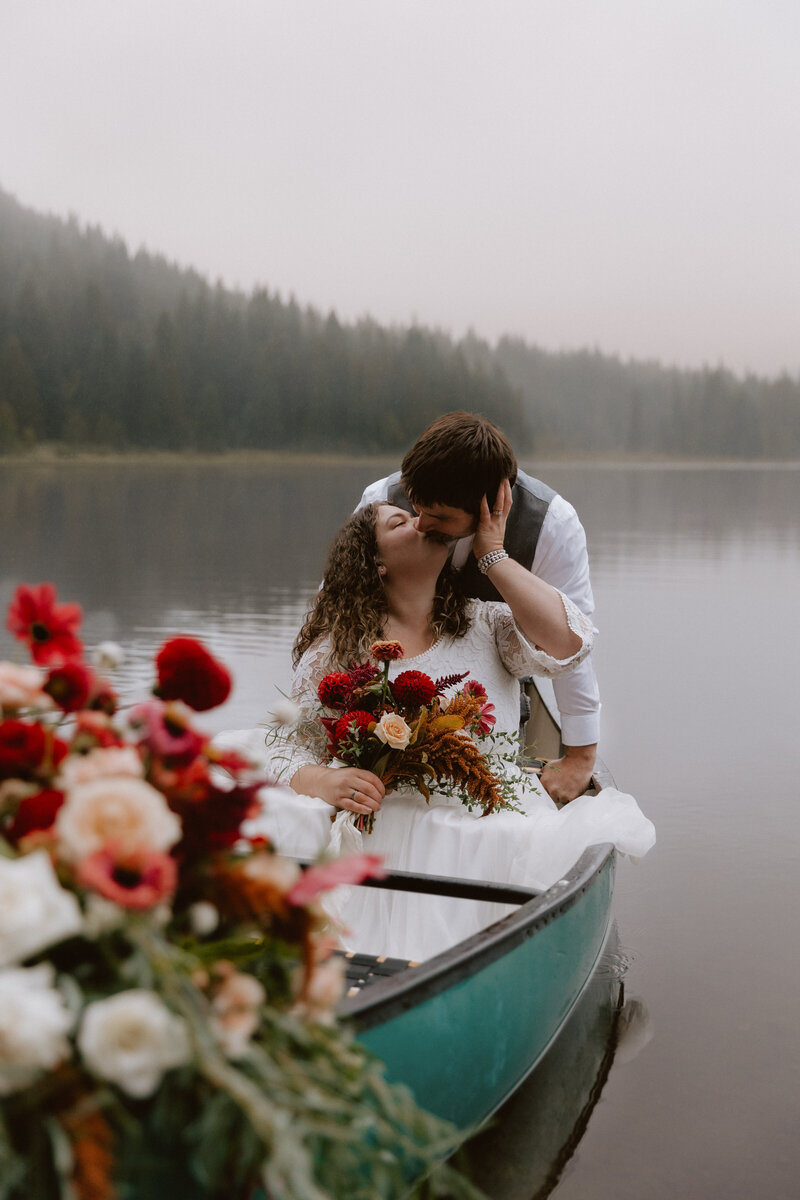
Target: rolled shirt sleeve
x,y
561,559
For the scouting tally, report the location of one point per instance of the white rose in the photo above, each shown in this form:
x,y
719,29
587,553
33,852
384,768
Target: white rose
x,y
21,687
119,809
34,1022
35,911
101,763
108,656
393,730
131,1039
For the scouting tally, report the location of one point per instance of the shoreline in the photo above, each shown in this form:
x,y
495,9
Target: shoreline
x,y
51,455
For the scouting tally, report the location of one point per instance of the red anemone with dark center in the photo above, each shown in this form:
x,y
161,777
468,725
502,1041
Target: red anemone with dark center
x,y
50,629
70,685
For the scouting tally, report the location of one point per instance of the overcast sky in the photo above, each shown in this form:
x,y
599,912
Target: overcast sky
x,y
621,174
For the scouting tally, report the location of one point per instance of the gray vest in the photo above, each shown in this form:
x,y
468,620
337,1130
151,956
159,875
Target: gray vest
x,y
531,502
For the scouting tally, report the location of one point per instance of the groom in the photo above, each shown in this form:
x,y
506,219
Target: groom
x,y
455,462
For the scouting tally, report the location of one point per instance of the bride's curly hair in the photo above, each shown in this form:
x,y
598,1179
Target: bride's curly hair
x,y
351,608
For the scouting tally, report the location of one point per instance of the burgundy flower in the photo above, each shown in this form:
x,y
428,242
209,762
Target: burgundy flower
x,y
187,672
140,879
103,698
70,685
386,651
333,689
34,813
413,688
23,748
323,876
212,822
50,629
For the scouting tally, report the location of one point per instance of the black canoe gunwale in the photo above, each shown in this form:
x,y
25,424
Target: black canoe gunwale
x,y
387,998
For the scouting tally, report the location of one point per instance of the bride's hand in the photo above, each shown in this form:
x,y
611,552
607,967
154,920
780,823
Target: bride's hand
x,y
491,530
349,788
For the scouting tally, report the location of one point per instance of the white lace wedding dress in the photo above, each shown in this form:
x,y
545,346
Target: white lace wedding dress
x,y
533,848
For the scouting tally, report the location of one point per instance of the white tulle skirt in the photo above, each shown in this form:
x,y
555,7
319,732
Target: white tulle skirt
x,y
533,849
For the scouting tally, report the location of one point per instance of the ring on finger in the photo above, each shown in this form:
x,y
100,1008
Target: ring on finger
x,y
497,512
353,794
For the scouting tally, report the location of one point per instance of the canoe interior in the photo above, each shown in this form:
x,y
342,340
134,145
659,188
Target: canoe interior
x,y
488,1009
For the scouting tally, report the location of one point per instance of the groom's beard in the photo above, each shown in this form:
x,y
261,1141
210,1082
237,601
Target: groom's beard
x,y
442,539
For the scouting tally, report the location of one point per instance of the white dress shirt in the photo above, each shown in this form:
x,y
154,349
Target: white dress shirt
x,y
561,559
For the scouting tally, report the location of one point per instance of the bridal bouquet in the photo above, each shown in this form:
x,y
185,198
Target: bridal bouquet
x,y
166,987
407,733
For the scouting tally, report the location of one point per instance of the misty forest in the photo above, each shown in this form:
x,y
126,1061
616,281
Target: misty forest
x,y
103,349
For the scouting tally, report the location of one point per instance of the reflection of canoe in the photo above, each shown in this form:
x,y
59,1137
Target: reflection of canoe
x,y
465,1028
525,1150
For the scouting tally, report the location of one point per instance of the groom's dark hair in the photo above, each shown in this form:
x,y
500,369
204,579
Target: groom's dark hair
x,y
457,461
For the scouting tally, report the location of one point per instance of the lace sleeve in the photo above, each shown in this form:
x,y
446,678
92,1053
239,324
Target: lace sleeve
x,y
520,658
308,744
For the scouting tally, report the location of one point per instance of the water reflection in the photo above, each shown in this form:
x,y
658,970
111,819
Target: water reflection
x,y
525,1152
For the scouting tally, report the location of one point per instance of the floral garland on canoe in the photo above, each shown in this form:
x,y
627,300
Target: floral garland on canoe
x,y
166,983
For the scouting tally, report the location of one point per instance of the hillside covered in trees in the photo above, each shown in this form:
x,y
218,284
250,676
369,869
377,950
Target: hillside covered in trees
x,y
107,349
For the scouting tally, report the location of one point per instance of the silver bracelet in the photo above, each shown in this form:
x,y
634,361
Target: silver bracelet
x,y
488,560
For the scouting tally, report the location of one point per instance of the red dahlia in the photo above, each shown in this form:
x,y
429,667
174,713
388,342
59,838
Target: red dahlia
x,y
34,813
333,689
350,726
413,688
50,629
187,672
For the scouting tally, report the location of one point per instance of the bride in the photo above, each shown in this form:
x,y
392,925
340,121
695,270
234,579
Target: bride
x,y
386,580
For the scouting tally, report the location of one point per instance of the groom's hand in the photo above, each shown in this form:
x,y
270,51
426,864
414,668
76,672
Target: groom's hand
x,y
491,528
568,777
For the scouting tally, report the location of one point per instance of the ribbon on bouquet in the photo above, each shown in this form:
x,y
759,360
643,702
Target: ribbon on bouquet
x,y
345,837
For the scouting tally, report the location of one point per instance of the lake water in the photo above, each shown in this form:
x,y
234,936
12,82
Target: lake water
x,y
696,574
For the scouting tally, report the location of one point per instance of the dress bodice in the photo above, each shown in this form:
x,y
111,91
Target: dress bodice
x,y
493,650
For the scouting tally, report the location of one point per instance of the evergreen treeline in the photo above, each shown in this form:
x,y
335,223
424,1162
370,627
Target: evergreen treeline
x,y
102,348
587,401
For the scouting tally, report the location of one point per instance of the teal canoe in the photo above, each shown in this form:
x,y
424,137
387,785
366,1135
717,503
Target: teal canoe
x,y
464,1029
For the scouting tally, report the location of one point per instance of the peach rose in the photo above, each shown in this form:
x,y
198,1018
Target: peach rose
x,y
21,687
100,764
392,730
323,990
236,1007
277,872
118,809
